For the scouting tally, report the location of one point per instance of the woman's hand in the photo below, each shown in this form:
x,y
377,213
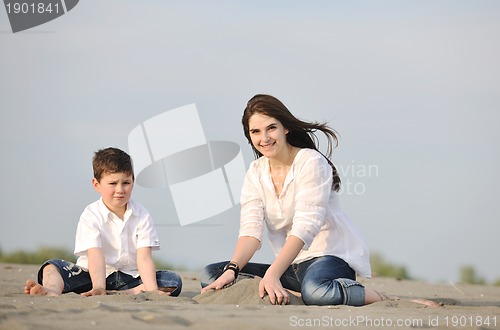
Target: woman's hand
x,y
223,280
272,286
271,281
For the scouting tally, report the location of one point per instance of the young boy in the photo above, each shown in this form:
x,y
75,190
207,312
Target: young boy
x,y
114,240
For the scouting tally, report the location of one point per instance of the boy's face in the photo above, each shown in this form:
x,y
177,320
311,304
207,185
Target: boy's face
x,y
115,189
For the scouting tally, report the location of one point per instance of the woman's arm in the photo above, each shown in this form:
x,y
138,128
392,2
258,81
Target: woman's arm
x,y
97,270
147,268
271,284
244,251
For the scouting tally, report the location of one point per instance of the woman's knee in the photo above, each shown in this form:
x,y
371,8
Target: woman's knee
x,y
211,272
340,291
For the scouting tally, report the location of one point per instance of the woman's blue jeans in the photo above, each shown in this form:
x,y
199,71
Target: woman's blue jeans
x,y
326,280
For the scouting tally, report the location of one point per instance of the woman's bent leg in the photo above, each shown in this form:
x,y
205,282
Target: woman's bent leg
x,y
329,280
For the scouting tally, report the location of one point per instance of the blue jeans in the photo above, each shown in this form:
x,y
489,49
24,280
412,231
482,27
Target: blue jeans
x,y
326,280
77,279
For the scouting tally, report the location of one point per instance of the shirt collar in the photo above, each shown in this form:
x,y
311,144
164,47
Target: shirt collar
x,y
131,209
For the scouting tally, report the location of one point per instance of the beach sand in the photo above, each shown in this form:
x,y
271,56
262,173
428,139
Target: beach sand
x,y
239,307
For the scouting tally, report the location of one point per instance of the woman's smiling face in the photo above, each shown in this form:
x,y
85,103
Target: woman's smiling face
x,y
268,135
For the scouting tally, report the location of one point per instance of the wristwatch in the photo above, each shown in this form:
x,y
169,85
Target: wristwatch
x,y
232,266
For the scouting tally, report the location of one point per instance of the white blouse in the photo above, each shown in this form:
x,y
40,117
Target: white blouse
x,y
307,208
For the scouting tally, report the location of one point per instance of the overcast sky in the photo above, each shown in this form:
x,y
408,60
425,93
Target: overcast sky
x,y
412,87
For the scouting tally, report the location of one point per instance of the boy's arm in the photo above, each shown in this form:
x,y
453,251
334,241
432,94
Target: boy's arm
x,y
147,269
97,270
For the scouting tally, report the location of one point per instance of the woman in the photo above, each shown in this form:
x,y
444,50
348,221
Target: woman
x,y
292,188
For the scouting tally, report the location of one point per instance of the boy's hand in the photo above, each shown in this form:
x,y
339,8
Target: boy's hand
x,y
95,292
164,293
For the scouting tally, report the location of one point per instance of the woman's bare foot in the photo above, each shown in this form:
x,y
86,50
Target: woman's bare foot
x,y
372,296
426,302
34,289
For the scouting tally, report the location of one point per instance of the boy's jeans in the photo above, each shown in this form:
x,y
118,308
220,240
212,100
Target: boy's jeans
x,y
76,279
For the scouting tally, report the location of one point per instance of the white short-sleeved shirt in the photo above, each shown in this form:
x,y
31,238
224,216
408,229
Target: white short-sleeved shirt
x,y
119,239
307,208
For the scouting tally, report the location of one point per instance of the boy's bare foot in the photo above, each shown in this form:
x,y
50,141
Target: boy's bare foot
x,y
34,289
167,290
140,289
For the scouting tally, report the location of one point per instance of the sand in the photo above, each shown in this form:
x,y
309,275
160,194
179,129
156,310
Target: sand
x,y
239,307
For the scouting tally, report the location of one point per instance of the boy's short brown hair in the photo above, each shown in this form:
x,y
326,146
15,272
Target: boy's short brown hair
x,y
111,160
